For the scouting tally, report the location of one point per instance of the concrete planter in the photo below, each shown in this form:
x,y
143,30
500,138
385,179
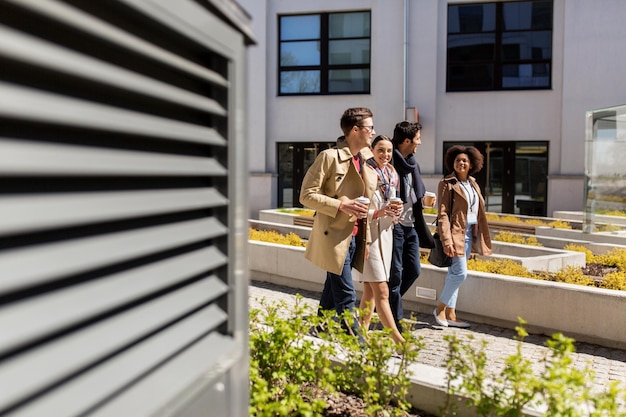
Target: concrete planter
x,y
587,314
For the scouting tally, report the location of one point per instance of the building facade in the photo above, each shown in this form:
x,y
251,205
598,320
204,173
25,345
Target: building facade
x,y
513,78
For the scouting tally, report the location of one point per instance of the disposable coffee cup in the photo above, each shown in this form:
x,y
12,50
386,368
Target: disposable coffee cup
x,y
429,199
396,204
364,200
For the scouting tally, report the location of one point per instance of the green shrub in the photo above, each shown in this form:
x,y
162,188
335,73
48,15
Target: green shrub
x,y
283,360
499,266
273,236
560,224
509,237
589,256
572,275
298,211
614,281
559,389
606,212
288,369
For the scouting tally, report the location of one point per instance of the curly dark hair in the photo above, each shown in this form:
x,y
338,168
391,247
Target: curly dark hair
x,y
475,157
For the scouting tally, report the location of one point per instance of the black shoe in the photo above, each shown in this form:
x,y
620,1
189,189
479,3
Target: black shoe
x,y
376,326
316,330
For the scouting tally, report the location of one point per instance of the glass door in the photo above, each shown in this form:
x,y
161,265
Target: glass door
x,y
294,159
514,176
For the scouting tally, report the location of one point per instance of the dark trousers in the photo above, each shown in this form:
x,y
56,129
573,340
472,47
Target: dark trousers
x,y
339,293
405,267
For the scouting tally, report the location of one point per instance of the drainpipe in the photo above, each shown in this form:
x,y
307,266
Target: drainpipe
x,y
405,63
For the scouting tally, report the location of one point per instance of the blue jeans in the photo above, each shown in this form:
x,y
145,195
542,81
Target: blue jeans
x,y
405,267
339,293
457,273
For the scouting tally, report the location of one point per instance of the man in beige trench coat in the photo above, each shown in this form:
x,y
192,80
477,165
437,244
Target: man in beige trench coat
x,y
340,234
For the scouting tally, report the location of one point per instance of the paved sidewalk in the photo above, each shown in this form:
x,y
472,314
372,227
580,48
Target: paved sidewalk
x,y
608,364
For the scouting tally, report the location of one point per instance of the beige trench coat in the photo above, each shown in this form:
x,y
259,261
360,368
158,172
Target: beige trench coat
x,y
453,230
331,179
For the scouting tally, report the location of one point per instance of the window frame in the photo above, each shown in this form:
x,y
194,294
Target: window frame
x,y
499,61
324,67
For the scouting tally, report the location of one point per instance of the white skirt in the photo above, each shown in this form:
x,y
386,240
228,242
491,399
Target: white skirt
x,y
378,265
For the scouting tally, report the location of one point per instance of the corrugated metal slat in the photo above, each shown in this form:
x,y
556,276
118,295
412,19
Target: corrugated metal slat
x,y
19,157
89,24
43,366
80,394
178,374
18,270
24,213
122,211
37,52
51,312
20,103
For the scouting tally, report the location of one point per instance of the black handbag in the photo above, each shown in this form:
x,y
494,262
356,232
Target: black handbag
x,y
424,234
437,256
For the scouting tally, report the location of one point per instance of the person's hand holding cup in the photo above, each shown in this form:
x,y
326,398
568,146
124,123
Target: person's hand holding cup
x,y
395,203
429,199
365,202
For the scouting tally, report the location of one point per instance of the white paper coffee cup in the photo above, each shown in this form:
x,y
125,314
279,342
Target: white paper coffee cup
x,y
429,199
363,200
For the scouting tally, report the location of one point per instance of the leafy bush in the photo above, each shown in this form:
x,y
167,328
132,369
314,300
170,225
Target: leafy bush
x,y
560,389
516,238
571,275
606,212
286,368
282,359
273,236
560,224
509,218
298,211
499,266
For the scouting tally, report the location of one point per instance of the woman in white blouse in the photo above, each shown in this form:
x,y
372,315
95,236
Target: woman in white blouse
x,y
383,216
461,224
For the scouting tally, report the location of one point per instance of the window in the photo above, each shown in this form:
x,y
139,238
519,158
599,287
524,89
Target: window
x,y
499,46
326,53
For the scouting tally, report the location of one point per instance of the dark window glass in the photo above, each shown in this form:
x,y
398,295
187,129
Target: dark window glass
x,y
300,82
345,81
499,46
326,53
471,18
471,47
300,53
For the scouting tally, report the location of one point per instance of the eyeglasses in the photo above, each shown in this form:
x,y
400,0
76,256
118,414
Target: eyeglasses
x,y
370,129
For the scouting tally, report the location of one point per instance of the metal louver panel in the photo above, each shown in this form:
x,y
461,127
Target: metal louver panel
x,y
123,283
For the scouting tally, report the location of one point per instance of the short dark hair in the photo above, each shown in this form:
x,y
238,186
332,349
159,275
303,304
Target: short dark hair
x,y
405,130
475,157
352,117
